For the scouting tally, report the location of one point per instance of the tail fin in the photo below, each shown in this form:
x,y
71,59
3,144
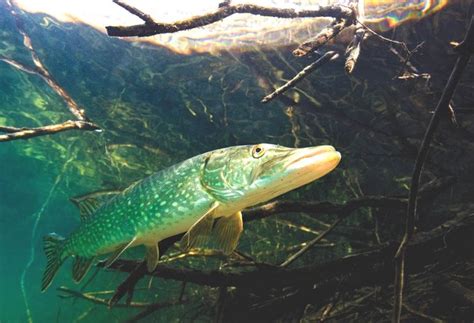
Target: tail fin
x,y
53,244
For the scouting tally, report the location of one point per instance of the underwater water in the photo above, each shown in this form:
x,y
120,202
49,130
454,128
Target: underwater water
x,y
157,107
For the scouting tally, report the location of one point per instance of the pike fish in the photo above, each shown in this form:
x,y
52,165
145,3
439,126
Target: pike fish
x,y
202,196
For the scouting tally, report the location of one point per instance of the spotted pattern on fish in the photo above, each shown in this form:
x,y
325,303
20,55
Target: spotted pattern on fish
x,y
188,197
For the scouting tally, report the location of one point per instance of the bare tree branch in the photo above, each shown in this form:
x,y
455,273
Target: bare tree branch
x,y
325,35
310,244
424,248
152,27
14,133
353,50
82,122
66,292
317,208
467,49
327,57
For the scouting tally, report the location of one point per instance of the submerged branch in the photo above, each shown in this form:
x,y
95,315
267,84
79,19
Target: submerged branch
x,y
82,122
370,265
153,308
353,50
14,133
325,35
94,299
151,27
327,57
41,70
441,109
316,208
310,244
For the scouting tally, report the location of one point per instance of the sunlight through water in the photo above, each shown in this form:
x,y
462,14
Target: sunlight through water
x,y
237,32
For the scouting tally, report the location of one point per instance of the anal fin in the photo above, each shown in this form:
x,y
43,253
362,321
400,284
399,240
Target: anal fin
x,y
200,231
120,250
152,257
227,231
80,267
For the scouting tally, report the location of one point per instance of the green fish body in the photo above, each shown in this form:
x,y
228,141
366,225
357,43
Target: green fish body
x,y
200,196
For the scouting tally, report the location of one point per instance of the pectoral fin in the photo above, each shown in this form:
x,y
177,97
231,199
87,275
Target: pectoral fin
x,y
120,250
227,231
152,256
199,231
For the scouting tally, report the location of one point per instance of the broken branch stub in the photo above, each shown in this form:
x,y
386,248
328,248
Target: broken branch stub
x,y
321,38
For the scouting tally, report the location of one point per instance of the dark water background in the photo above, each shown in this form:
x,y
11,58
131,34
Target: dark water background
x,y
157,108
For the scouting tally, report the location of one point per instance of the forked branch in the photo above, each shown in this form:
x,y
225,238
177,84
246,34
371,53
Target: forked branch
x,y
152,27
82,122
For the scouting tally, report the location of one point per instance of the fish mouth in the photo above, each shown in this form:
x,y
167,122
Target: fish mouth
x,y
309,164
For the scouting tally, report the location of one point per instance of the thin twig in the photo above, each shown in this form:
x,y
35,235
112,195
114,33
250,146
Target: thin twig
x,y
376,34
422,315
310,244
134,11
90,297
406,61
329,56
441,108
153,308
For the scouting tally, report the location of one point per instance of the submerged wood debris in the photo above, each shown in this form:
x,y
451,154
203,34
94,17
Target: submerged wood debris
x,y
437,263
82,122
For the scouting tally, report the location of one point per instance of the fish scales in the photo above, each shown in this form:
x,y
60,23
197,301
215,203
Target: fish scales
x,y
162,201
201,197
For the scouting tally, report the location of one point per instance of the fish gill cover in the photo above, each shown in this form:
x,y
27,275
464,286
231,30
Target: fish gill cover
x,y
155,108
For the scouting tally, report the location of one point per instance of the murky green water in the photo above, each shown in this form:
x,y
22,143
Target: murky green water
x,y
158,108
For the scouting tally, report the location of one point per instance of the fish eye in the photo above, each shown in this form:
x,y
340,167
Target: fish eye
x,y
258,151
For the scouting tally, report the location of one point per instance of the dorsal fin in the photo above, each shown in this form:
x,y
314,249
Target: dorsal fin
x,y
129,188
89,203
87,207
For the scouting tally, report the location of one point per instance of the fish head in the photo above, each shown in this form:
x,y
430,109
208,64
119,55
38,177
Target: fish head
x,y
248,175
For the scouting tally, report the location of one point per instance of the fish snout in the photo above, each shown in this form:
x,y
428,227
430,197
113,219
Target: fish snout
x,y
314,162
